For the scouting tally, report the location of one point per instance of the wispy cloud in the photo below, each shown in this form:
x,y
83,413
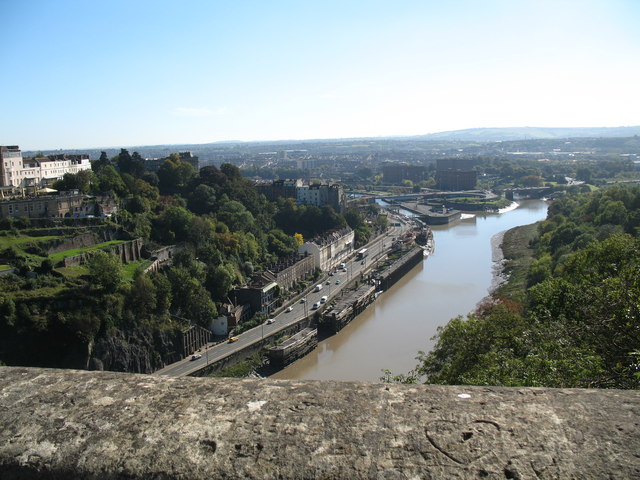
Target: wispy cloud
x,y
198,112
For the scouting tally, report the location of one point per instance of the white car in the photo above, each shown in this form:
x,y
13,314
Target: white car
x,y
195,357
289,309
270,321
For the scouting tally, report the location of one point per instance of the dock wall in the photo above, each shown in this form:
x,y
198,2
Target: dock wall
x,y
293,348
400,268
256,347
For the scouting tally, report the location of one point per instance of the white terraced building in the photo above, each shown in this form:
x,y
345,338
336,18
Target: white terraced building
x,y
330,249
16,171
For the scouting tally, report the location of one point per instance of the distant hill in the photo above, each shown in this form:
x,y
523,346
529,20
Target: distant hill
x,y
210,152
529,133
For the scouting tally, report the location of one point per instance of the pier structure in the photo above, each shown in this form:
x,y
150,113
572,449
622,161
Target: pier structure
x,y
293,348
346,308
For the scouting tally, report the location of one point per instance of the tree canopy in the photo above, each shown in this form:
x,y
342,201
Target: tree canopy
x,y
580,324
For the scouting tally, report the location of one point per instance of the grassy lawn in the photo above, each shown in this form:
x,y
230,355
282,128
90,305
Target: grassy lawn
x,y
57,257
7,241
518,255
76,271
129,269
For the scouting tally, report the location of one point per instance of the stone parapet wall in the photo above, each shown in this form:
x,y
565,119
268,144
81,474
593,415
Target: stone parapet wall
x,y
127,252
99,425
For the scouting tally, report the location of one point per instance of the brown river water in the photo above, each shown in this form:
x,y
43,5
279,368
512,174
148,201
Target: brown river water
x,y
403,320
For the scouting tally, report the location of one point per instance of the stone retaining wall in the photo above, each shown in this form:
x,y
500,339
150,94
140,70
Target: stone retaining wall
x,y
400,268
102,425
126,252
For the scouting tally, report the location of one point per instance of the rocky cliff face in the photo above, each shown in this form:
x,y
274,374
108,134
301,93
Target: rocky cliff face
x,y
136,350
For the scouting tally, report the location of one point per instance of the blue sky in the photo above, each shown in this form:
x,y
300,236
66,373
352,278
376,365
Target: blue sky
x,y
98,73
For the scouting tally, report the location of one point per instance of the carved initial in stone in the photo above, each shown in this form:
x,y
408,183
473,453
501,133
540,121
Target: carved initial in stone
x,y
463,442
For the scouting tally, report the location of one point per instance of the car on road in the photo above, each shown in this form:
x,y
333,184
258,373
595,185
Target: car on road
x,y
302,300
327,282
270,321
289,308
195,357
337,282
233,339
315,306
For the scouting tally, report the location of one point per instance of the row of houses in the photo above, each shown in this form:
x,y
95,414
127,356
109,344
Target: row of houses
x,y
64,205
16,171
451,173
261,295
304,194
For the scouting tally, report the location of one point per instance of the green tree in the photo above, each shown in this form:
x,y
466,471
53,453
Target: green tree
x,y
236,216
104,270
614,213
220,279
133,165
139,225
110,181
531,181
190,299
172,225
164,294
280,244
174,175
203,199
103,161
584,174
142,296
76,181
201,231
232,172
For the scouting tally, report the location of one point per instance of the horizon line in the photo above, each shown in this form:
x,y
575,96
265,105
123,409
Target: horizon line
x,y
328,139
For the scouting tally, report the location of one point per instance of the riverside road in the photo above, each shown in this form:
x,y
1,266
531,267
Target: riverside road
x,y
214,352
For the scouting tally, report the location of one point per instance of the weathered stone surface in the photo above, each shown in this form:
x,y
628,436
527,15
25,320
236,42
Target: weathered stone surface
x,y
70,424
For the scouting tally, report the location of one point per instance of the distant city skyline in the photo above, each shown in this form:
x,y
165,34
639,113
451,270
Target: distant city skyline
x,y
80,74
